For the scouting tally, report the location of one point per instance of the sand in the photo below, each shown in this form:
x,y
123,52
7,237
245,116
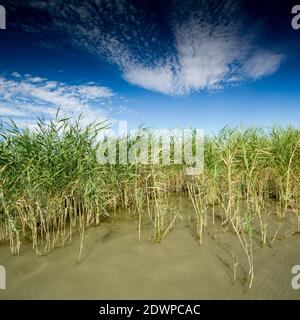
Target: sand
x,y
115,265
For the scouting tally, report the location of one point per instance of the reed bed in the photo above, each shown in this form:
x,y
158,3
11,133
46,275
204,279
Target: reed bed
x,y
52,185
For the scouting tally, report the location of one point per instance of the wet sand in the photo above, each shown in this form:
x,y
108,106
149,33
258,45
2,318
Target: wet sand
x,y
116,266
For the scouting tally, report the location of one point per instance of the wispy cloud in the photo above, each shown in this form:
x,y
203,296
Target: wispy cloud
x,y
23,97
262,63
207,47
210,52
160,78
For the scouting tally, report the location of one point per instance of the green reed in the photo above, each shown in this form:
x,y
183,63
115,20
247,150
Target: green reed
x,y
51,184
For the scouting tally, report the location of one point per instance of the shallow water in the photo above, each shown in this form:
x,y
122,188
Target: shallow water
x,y
116,266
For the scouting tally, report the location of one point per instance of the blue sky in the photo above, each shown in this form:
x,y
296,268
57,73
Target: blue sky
x,y
162,64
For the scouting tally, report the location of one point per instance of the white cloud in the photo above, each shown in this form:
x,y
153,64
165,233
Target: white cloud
x,y
9,112
35,79
16,74
24,97
160,78
208,46
204,60
210,52
262,64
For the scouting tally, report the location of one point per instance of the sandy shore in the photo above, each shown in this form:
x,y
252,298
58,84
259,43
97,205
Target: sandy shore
x,y
116,266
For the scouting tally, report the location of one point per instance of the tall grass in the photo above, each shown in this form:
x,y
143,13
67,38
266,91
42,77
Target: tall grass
x,y
51,184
